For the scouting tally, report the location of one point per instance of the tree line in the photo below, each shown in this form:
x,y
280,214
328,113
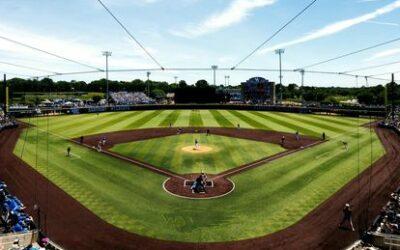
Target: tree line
x,y
202,92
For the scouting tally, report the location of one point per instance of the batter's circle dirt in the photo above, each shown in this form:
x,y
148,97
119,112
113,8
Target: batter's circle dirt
x,y
178,187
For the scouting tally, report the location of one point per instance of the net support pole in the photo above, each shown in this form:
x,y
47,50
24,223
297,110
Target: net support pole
x,y
6,95
392,95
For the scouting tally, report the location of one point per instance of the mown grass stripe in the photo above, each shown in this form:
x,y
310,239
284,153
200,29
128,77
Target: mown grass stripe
x,y
76,119
292,172
140,122
286,124
195,119
333,119
314,122
248,120
320,119
107,123
316,172
170,119
221,120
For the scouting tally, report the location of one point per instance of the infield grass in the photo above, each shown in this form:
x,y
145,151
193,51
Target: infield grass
x,y
226,153
266,199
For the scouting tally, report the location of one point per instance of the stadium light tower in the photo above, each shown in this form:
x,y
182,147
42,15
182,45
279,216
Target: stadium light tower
x,y
227,82
148,83
107,54
302,85
214,68
280,52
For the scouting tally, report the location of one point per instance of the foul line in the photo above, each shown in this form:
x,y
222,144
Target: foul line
x,y
135,162
141,164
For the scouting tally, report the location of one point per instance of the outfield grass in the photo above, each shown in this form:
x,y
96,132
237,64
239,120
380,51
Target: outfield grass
x,y
227,152
266,199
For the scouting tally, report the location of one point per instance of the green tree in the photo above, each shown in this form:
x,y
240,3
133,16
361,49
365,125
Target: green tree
x,y
96,98
182,84
202,84
158,94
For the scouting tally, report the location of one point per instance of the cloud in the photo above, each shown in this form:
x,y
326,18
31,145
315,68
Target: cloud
x,y
236,12
368,1
384,23
124,54
336,27
385,53
129,2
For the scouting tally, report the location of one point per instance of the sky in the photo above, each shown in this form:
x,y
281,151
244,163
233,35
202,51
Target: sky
x,y
198,34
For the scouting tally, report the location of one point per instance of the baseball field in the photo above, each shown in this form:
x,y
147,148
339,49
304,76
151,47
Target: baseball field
x,y
267,198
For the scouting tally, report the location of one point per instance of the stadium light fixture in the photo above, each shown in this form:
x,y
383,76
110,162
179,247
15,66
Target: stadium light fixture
x,y
107,54
148,73
214,68
227,78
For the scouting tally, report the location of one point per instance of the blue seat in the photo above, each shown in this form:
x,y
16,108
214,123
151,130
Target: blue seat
x,y
19,228
12,205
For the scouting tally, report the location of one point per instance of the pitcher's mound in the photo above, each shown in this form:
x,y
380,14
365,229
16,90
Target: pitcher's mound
x,y
200,150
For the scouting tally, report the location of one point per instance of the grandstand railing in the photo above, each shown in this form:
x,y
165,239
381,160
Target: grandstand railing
x,y
7,240
386,241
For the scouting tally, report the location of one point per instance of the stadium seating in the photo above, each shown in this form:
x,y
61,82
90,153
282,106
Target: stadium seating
x,y
13,218
6,121
388,221
392,120
129,98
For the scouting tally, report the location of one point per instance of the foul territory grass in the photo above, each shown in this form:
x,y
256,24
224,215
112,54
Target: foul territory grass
x,y
226,153
266,199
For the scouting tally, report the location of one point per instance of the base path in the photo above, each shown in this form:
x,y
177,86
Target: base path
x,y
74,227
250,134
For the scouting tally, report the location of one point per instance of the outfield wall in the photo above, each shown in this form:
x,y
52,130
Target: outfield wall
x,y
350,111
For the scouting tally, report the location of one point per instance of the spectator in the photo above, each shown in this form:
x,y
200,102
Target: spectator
x,y
129,98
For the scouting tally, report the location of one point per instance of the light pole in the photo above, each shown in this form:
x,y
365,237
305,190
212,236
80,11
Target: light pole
x,y
148,83
226,87
302,85
176,79
227,81
214,68
107,54
280,52
5,89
